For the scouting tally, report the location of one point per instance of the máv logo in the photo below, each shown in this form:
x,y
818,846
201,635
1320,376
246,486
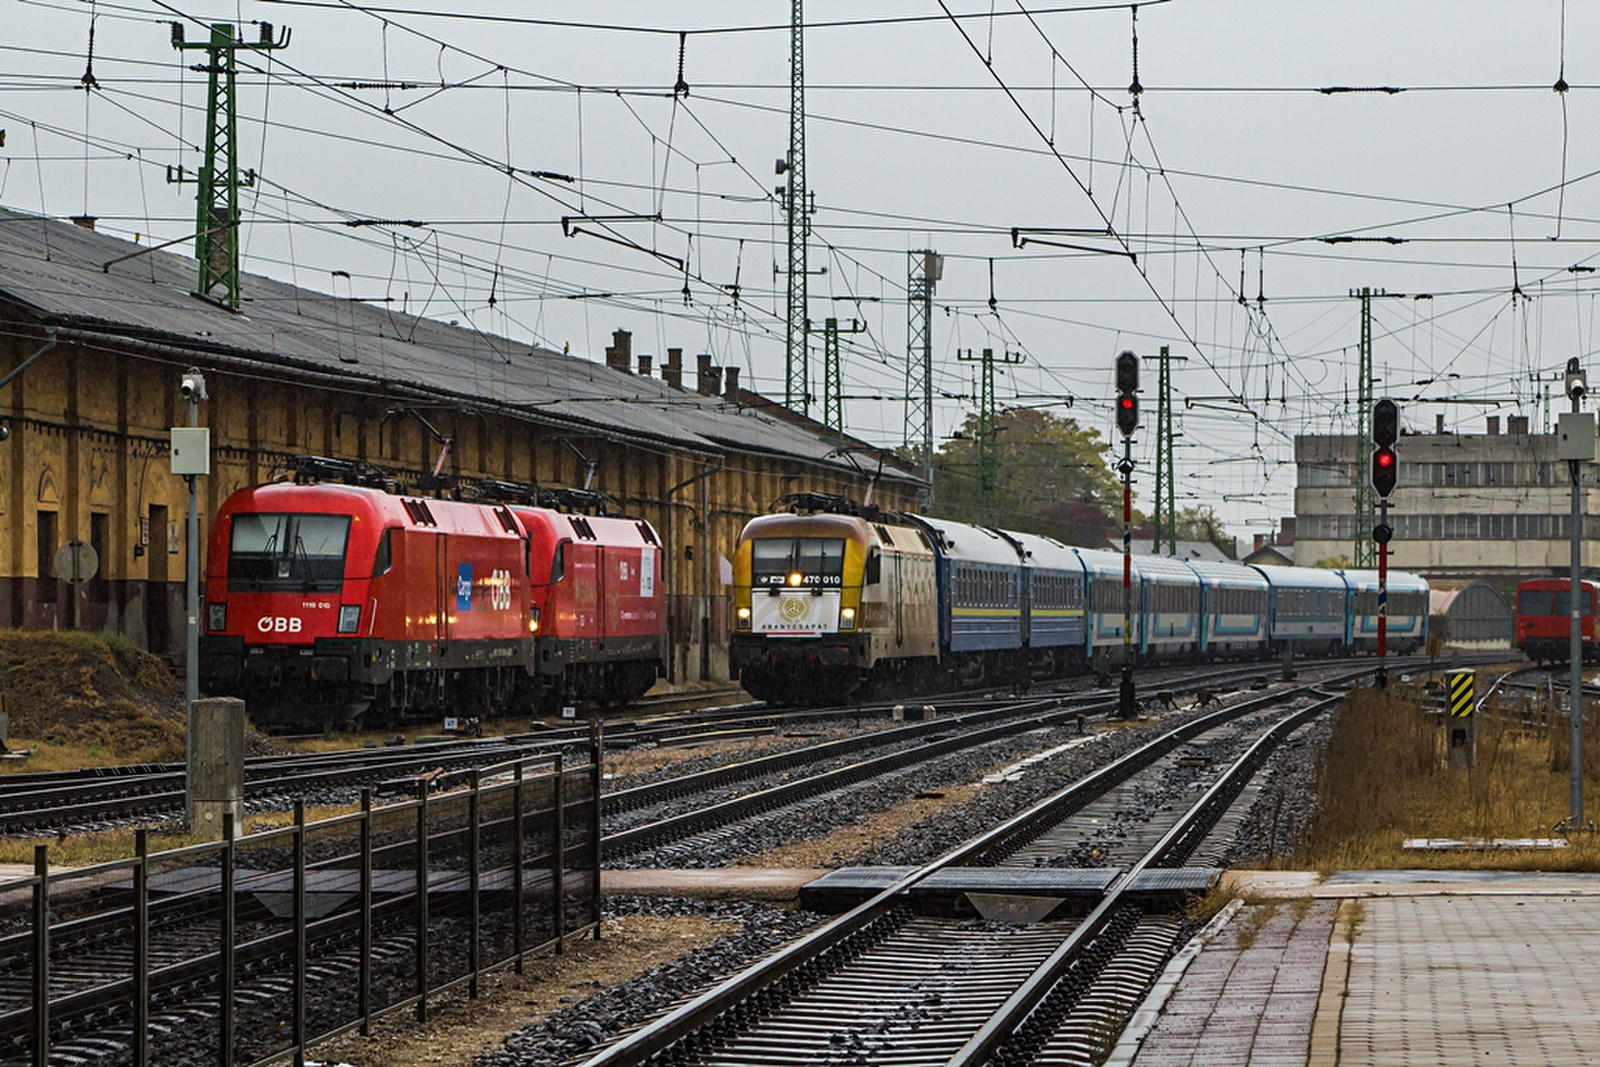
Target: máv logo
x,y
464,587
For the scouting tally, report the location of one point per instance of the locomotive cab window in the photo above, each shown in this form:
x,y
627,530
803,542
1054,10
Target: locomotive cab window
x,y
383,559
288,553
874,568
797,561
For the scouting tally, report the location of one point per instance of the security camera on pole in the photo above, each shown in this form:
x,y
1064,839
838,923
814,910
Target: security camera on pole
x,y
1385,469
1127,423
1575,444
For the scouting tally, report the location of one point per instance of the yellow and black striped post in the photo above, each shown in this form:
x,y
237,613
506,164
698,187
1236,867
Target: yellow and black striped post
x,y
1463,693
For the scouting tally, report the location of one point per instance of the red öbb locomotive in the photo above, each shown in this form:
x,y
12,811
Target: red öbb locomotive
x,y
341,603
1544,619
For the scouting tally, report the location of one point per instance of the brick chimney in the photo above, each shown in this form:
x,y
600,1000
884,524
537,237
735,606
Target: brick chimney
x,y
730,383
672,370
1492,425
1286,529
1438,423
706,377
644,366
619,356
1517,425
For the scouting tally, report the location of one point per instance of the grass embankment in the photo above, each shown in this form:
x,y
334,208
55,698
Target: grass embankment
x,y
1386,778
103,846
85,700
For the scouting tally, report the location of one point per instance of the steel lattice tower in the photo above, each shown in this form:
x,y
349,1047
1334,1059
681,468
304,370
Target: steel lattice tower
x,y
1365,555
921,279
217,198
988,434
1166,504
833,374
796,379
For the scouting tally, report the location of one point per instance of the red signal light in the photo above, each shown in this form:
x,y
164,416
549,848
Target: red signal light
x,y
1127,403
1385,468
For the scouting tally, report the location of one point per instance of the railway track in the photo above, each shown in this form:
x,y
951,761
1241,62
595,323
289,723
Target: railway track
x,y
893,981
102,798
86,958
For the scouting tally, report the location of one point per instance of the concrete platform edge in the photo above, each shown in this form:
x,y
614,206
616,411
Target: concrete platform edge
x,y
1149,1011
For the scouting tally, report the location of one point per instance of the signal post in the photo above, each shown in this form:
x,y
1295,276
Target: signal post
x,y
1385,469
1127,423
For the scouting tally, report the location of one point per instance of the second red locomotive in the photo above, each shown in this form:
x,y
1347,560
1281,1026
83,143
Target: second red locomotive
x,y
338,604
1544,619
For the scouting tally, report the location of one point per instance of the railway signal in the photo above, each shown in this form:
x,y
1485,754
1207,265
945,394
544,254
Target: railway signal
x,y
1127,422
1385,431
1127,390
1385,470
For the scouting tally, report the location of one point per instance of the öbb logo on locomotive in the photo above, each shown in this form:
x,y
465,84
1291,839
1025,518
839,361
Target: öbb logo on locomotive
x,y
280,624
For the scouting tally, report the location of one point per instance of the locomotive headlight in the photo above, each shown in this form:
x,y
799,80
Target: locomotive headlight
x,y
744,618
349,618
533,621
794,579
847,618
217,617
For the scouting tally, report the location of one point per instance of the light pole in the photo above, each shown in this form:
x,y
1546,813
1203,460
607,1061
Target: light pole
x,y
191,457
1576,433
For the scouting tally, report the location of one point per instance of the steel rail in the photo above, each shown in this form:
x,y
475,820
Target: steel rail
x,y
1175,844
702,1010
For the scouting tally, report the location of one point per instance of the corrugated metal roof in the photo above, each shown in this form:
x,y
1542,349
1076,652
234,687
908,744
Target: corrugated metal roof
x,y
59,271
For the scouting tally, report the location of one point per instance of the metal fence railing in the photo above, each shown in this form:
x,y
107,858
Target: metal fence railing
x,y
247,950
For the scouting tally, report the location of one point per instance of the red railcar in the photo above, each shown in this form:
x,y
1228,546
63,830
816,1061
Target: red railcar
x,y
1544,619
601,604
334,603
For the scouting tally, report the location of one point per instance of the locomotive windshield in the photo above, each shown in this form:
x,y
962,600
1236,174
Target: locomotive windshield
x,y
287,553
797,561
1552,602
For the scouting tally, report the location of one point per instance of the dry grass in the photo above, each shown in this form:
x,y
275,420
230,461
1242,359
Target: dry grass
x,y
1385,778
103,846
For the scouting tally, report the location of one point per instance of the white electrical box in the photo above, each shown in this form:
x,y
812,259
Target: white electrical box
x,y
1575,436
191,450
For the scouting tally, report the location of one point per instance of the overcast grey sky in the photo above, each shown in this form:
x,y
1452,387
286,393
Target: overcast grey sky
x,y
912,144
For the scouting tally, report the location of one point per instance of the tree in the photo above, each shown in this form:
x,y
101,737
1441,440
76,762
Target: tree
x,y
1053,478
1199,522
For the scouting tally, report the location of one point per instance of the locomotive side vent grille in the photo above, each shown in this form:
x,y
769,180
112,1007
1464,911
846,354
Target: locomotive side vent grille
x,y
420,513
647,533
506,521
581,527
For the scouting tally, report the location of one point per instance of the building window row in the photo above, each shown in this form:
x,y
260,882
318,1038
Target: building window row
x,y
1509,475
1468,526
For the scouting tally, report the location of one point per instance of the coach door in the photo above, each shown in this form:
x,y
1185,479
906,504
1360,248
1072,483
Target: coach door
x,y
899,601
444,585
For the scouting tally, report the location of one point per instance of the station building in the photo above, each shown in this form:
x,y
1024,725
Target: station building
x,y
1492,507
95,333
